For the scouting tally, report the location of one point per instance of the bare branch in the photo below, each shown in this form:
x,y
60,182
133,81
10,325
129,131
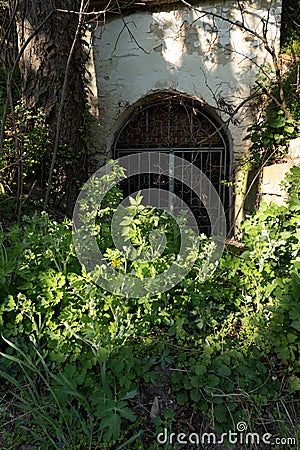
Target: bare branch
x,y
125,25
11,74
60,110
263,38
10,26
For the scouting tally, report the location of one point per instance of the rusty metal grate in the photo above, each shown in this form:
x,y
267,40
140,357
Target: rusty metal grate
x,y
185,131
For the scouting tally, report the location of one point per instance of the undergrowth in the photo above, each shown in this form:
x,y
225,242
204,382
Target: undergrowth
x,y
80,365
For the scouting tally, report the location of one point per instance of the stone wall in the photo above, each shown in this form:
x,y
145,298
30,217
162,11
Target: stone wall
x,y
270,188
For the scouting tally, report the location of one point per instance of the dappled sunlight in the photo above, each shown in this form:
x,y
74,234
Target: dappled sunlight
x,y
200,51
24,31
157,304
207,36
173,47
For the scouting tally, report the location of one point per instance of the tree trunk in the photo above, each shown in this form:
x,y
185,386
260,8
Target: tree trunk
x,y
43,68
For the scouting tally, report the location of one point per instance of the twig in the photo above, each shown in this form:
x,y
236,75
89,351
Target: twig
x,y
60,110
9,78
263,38
8,30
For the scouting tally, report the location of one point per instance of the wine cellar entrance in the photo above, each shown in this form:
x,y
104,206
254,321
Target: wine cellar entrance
x,y
184,130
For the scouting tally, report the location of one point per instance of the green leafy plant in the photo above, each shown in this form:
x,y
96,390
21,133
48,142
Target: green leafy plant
x,y
228,347
270,137
62,409
27,130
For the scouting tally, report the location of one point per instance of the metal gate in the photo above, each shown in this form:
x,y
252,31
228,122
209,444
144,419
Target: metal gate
x,y
184,130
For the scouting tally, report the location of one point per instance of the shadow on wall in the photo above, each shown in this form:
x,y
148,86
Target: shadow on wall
x,y
208,53
202,53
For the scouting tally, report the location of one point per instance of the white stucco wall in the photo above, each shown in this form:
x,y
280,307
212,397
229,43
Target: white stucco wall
x,y
180,50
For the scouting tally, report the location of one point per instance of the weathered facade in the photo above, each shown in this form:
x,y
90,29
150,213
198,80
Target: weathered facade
x,y
206,56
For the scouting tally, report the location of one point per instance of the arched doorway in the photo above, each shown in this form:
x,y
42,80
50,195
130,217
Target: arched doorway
x,y
185,129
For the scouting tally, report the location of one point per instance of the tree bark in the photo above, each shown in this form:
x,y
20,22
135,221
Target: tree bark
x,y
43,67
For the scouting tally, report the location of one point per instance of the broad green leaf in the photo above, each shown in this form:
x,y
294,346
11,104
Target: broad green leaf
x,y
224,371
